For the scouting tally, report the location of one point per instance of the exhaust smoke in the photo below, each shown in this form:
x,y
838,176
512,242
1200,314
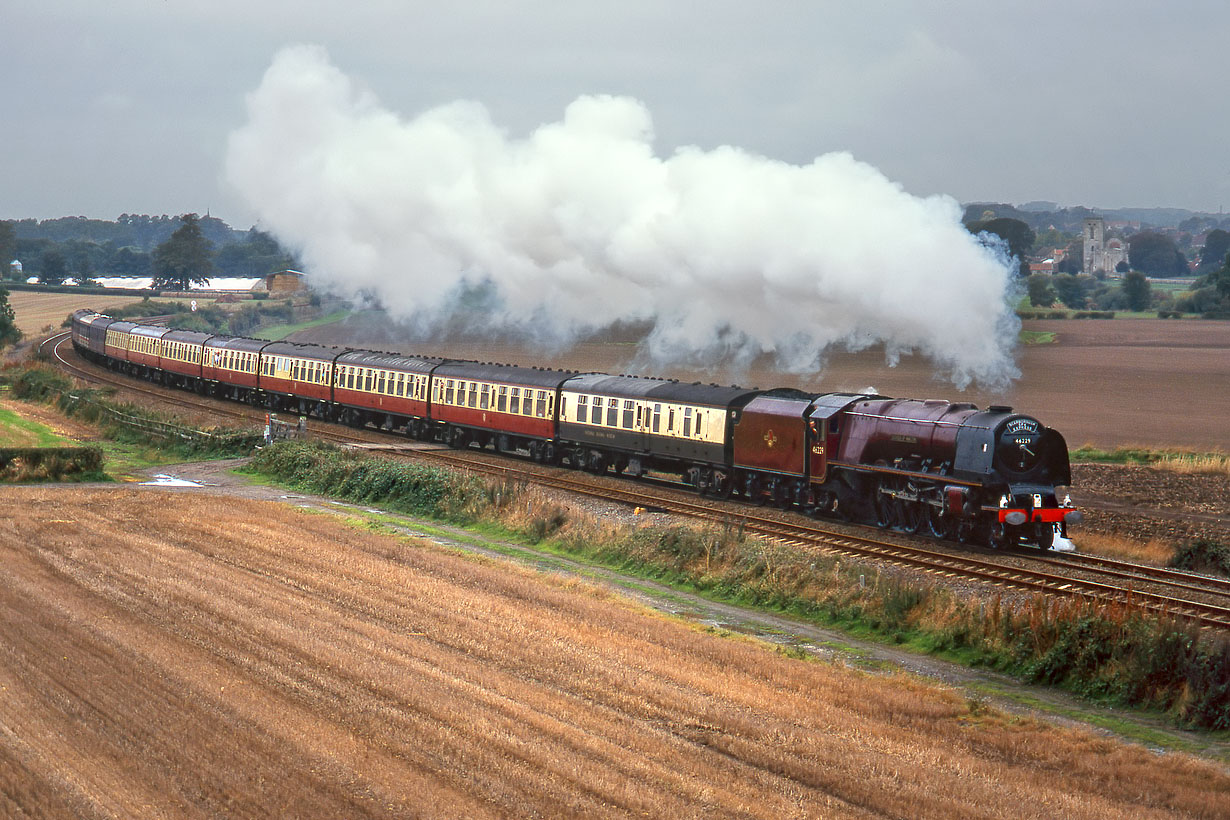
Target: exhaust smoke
x,y
579,225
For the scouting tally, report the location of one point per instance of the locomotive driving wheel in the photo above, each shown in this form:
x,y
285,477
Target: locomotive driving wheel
x,y
912,514
885,507
939,524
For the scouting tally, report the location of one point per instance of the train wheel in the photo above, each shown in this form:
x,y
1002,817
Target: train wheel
x,y
885,507
752,491
997,536
912,515
964,531
939,525
723,486
1044,534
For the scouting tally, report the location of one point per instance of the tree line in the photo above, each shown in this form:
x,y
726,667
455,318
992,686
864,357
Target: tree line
x,y
174,251
1150,254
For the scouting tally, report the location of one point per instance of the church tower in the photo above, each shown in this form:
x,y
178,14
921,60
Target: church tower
x,y
1095,235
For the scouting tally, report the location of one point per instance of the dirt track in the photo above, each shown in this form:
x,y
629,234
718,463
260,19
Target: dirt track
x,y
193,658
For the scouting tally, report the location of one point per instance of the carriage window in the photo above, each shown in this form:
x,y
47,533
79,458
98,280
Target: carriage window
x,y
627,415
657,418
700,422
670,420
612,412
582,408
380,382
448,394
350,378
687,422
541,408
595,411
501,404
484,400
514,402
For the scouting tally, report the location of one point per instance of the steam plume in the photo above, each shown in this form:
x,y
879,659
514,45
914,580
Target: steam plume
x,y
580,224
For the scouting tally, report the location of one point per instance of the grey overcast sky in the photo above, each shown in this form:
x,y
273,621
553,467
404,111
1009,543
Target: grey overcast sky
x,y
126,105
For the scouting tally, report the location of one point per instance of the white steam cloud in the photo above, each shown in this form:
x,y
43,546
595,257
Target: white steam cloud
x,y
579,225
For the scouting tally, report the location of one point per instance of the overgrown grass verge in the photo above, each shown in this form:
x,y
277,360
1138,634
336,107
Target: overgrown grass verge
x,y
127,423
1179,461
1108,653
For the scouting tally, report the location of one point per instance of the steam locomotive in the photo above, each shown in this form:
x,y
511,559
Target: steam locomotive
x,y
948,470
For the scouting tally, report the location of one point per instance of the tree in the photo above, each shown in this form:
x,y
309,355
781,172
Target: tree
x,y
1073,291
259,254
54,268
8,247
1156,254
1216,246
1137,291
1041,294
1018,235
185,259
1074,258
8,322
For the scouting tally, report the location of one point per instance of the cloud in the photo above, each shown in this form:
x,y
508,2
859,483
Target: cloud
x,y
580,224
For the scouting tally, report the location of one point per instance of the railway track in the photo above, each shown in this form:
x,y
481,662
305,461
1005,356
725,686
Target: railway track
x,y
1164,592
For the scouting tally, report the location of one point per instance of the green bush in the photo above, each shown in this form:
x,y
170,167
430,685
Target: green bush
x,y
22,464
1202,555
317,467
39,382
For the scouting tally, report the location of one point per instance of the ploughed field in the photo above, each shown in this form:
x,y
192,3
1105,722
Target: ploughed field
x,y
1152,382
169,654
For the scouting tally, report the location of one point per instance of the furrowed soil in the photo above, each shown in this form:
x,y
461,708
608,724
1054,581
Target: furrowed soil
x,y
182,655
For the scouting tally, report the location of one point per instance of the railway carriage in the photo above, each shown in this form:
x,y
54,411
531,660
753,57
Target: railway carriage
x,y
298,378
182,358
89,333
643,424
145,350
386,389
117,344
509,406
230,367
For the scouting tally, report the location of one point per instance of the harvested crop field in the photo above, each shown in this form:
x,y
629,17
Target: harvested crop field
x,y
169,655
35,311
1152,382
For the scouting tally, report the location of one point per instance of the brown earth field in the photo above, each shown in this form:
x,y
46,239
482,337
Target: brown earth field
x,y
195,658
1150,382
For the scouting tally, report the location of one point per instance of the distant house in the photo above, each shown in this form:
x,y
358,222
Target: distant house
x,y
282,283
1045,266
15,269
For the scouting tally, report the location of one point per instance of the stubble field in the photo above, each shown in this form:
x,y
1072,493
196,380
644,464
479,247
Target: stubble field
x,y
170,655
